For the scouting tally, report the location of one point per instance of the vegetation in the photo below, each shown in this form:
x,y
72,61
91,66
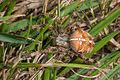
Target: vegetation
x,y
26,29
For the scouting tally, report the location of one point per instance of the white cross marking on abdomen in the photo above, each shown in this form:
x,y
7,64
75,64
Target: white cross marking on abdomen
x,y
77,39
80,39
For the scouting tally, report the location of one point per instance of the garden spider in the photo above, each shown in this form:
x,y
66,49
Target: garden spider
x,y
72,41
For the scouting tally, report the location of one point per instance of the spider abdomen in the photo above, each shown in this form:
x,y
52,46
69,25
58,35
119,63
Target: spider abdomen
x,y
81,41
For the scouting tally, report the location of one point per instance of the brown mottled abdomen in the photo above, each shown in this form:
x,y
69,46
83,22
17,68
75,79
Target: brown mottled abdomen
x,y
81,41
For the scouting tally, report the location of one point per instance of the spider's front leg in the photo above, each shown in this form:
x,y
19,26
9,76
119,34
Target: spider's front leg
x,y
58,50
87,60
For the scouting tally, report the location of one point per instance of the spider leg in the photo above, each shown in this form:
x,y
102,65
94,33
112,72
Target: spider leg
x,y
59,25
51,28
87,59
50,50
63,51
60,30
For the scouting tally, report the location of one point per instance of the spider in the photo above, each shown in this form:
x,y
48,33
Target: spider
x,y
73,41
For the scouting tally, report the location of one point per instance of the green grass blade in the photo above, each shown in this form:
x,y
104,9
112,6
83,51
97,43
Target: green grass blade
x,y
102,42
94,31
10,8
2,6
7,13
11,72
68,9
111,60
39,76
47,73
29,27
46,35
88,4
34,33
17,26
48,43
109,56
5,18
32,45
58,8
35,65
108,6
72,65
63,71
55,74
1,52
75,77
78,60
112,73
11,38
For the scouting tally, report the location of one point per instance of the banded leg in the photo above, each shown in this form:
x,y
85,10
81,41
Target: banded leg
x,y
87,59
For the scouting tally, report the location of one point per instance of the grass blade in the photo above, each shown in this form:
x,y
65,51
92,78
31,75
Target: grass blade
x,y
32,65
65,11
105,22
11,72
11,38
7,13
2,6
88,4
112,73
1,52
47,73
17,26
5,18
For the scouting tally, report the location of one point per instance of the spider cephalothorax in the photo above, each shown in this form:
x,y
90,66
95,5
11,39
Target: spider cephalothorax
x,y
62,40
